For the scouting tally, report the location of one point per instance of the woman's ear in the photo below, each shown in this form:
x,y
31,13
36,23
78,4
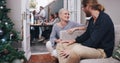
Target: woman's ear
x,y
59,16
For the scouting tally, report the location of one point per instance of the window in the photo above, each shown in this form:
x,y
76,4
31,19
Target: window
x,y
74,7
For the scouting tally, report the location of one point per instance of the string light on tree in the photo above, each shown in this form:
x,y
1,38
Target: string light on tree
x,y
3,40
6,23
1,7
3,2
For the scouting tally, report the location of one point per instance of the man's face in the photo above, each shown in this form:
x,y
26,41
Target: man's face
x,y
86,10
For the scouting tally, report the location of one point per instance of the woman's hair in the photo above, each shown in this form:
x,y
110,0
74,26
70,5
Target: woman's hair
x,y
94,4
56,14
34,12
61,10
52,15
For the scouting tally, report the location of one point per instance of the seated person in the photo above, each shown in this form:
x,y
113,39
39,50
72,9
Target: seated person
x,y
96,42
48,29
63,24
52,20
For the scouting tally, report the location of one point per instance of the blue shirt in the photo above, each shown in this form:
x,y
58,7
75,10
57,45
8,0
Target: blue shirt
x,y
55,34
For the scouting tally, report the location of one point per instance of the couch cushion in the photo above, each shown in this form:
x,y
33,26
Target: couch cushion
x,y
117,35
106,60
116,53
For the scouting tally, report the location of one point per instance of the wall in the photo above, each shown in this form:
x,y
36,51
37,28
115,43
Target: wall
x,y
15,13
112,8
55,6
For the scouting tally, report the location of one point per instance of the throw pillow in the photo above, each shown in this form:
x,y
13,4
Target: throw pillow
x,y
116,53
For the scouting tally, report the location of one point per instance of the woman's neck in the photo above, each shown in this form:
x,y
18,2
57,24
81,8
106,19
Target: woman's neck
x,y
63,23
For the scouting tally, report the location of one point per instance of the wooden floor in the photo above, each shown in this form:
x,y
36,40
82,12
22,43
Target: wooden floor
x,y
42,58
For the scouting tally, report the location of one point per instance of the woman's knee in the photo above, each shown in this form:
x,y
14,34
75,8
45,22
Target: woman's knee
x,y
48,44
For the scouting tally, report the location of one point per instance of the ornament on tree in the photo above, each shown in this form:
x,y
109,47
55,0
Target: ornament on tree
x,y
1,32
11,35
6,51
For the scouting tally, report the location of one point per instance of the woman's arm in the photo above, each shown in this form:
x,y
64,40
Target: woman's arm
x,y
76,28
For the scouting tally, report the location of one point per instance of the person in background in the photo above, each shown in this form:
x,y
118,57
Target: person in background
x,y
34,30
42,14
56,17
48,29
96,42
51,20
41,17
63,24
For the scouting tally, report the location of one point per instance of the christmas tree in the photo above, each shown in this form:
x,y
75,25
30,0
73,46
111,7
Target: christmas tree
x,y
8,36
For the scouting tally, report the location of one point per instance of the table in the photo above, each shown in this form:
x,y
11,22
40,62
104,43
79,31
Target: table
x,y
45,30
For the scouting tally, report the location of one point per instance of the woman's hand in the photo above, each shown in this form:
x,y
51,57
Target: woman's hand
x,y
58,40
70,31
69,42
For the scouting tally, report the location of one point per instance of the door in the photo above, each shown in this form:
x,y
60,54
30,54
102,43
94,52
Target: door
x,y
26,28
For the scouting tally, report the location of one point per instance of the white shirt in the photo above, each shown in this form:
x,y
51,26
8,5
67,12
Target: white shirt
x,y
42,13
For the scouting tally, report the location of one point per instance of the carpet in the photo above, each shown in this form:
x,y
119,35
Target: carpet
x,y
42,58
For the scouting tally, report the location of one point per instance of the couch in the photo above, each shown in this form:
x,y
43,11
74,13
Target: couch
x,y
65,35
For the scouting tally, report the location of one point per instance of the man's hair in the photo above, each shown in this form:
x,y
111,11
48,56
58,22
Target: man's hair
x,y
94,4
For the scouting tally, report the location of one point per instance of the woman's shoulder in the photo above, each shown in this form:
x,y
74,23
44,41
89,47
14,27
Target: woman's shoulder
x,y
56,25
72,23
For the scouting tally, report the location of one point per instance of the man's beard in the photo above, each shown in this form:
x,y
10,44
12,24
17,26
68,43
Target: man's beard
x,y
88,14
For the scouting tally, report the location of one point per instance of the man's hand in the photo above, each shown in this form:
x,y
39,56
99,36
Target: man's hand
x,y
64,53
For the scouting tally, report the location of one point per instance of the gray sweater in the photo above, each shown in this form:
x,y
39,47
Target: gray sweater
x,y
55,34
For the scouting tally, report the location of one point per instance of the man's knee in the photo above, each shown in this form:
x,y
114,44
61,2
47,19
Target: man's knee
x,y
77,50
